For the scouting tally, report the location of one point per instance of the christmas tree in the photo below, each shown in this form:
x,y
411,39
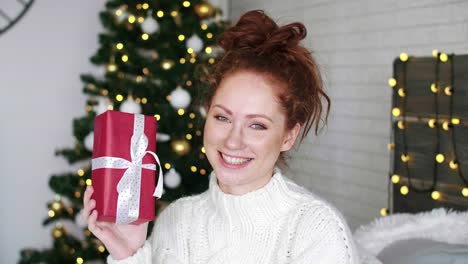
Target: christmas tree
x,y
151,53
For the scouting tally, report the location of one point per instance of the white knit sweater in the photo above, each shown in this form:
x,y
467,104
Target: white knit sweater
x,y
279,223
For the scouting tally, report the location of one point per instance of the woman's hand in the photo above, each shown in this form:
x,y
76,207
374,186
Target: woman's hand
x,y
122,241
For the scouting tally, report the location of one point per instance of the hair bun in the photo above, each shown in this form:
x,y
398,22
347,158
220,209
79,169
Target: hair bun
x,y
257,32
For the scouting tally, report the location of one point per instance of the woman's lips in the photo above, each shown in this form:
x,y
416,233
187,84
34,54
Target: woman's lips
x,y
233,162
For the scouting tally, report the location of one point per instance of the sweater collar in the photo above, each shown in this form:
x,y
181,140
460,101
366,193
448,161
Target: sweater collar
x,y
265,204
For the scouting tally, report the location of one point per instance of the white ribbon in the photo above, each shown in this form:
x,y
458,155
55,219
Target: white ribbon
x,y
129,186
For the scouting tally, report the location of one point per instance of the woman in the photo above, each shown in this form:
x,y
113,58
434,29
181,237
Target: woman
x,y
265,91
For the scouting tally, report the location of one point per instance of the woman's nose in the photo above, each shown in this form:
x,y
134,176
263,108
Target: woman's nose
x,y
234,139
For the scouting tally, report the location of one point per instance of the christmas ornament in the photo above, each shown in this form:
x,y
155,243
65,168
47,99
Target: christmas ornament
x,y
89,141
130,106
150,25
172,179
195,43
204,10
162,137
180,146
180,98
102,105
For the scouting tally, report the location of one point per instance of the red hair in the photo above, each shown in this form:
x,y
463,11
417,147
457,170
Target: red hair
x,y
256,43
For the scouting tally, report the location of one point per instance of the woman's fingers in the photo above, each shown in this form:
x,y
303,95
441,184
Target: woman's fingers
x,y
87,194
92,224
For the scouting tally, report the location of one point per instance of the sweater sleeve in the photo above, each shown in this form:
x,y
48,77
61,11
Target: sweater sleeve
x,y
322,237
167,243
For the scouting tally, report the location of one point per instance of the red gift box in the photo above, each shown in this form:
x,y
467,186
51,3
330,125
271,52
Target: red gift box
x,y
119,144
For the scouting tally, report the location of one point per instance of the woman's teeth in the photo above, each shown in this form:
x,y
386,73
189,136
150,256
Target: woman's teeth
x,y
234,161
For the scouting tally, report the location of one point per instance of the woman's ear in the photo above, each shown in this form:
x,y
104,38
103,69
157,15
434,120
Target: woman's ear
x,y
290,137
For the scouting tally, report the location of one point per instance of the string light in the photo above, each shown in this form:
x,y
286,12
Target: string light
x,y
455,121
160,13
440,158
119,97
182,60
189,50
51,213
89,182
208,50
384,212
395,178
211,61
167,166
443,57
202,171
465,192
401,92
434,88
403,57
111,67
193,169
401,124
203,150
192,60
209,35
144,36
174,13
448,91
145,6
80,172
396,111
453,164
405,157
188,136
119,46
435,195
181,37
392,82
186,3
390,146
144,100
446,125
101,248
79,260
204,26
435,53
431,123
131,19
141,20
404,190
157,117
124,58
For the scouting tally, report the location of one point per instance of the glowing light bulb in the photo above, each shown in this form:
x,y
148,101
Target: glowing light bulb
x,y
144,36
79,260
435,53
80,172
401,124
431,123
453,164
405,157
448,91
119,46
181,37
124,58
131,19
465,192
395,178
392,82
204,26
401,92
160,13
186,3
208,50
89,182
446,125
435,195
203,150
193,169
119,97
167,166
390,146
157,117
403,57
440,158
384,212
455,121
404,190
443,57
434,88
396,111
181,111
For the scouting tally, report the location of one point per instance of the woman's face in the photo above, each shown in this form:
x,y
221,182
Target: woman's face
x,y
245,132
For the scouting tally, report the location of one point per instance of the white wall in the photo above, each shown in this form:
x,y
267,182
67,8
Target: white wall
x,y
356,42
41,59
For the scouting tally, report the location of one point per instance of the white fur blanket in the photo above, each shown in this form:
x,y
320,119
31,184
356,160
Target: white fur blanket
x,y
439,225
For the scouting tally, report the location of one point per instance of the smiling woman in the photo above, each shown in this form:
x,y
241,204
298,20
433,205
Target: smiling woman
x,y
265,91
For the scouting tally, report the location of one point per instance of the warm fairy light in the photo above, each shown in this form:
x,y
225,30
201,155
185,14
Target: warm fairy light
x,y
82,182
405,157
209,35
181,37
404,190
188,83
110,107
401,92
448,91
167,166
203,150
139,79
168,98
174,13
157,117
145,6
211,60
186,3
145,71
56,205
465,192
167,64
443,57
144,100
202,171
79,260
119,46
138,6
204,26
160,13
182,60
396,111
104,92
192,115
384,212
137,100
434,88
144,36
193,169
401,124
80,172
403,57
435,53
198,133
192,60
208,50
392,82
124,58
190,125
89,108
51,213
390,146
141,20
189,50
101,248
453,164
118,12
446,125
89,182
431,123
111,67
181,111
435,195
77,194
119,97
455,121
131,19
395,178
440,158
188,136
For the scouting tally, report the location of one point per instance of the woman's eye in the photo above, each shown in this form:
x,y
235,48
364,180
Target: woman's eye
x,y
258,126
221,118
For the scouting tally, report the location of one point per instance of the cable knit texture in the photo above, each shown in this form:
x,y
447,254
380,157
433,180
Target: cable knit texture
x,y
279,223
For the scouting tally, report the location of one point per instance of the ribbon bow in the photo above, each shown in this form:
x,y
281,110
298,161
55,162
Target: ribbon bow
x,y
129,186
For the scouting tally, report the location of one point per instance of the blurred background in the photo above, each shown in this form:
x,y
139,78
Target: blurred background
x,y
45,52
